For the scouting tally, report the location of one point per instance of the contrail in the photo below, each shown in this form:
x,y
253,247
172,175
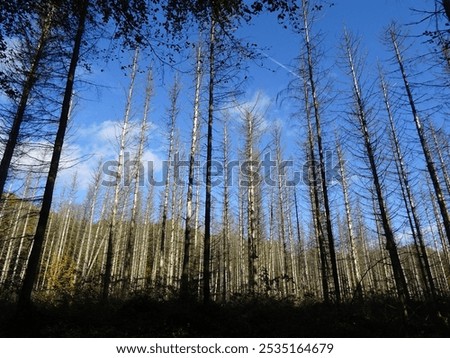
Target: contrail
x,y
280,64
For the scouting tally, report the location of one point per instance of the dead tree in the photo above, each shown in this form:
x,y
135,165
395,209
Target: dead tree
x,y
431,168
44,214
316,109
184,289
361,116
408,197
118,185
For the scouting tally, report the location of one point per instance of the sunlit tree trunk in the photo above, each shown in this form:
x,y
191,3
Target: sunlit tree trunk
x,y
175,209
437,222
348,217
226,259
112,242
312,82
160,270
184,289
46,256
409,200
64,233
131,234
86,238
314,193
22,247
443,164
281,212
303,249
250,180
361,115
422,137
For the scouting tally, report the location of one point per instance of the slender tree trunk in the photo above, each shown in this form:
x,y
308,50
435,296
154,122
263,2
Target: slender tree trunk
x,y
281,212
85,244
9,236
391,245
252,234
196,266
23,236
442,162
422,138
314,195
293,248
207,238
173,112
322,171
408,196
431,198
348,217
33,261
32,74
47,248
302,243
184,289
118,185
100,241
176,208
131,234
147,237
226,262
242,272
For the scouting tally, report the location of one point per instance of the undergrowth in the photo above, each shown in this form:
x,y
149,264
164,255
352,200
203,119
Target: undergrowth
x,y
143,316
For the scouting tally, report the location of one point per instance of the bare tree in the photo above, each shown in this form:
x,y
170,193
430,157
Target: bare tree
x,y
226,221
160,264
33,261
316,109
348,216
431,168
314,193
410,204
361,114
131,235
191,176
46,24
118,185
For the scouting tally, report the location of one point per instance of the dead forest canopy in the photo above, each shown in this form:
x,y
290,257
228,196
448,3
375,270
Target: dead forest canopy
x,y
352,203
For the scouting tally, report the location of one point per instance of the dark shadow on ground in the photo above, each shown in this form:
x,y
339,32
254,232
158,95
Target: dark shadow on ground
x,y
145,317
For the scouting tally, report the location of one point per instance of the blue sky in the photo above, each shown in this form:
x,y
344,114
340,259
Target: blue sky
x,y
100,109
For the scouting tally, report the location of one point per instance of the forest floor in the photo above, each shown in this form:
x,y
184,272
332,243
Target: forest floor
x,y
146,317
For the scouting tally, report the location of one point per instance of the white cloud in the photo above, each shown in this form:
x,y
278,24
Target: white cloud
x,y
99,142
151,157
259,103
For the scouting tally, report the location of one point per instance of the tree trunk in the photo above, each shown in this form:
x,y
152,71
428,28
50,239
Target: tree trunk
x,y
252,234
226,262
281,212
322,171
391,245
312,180
409,200
29,83
443,165
423,141
131,234
184,289
209,149
173,112
112,234
33,261
348,217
